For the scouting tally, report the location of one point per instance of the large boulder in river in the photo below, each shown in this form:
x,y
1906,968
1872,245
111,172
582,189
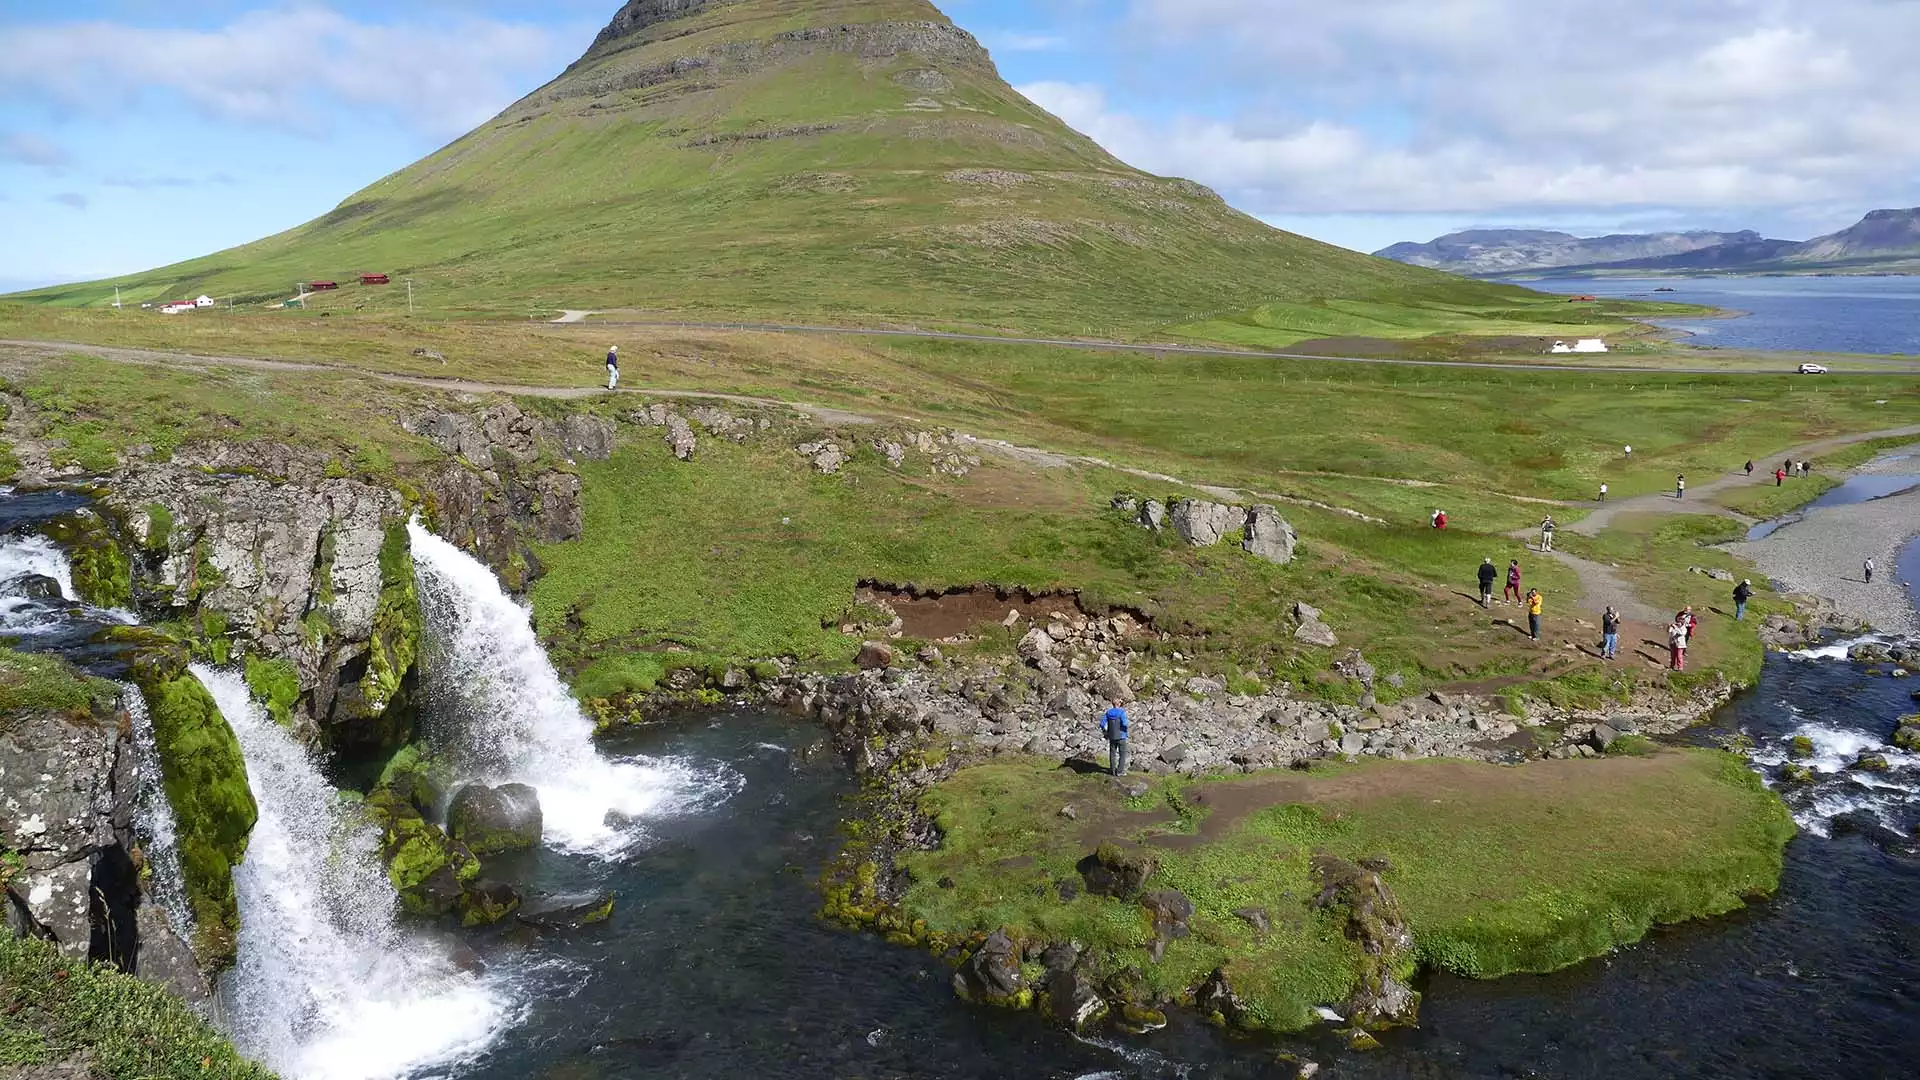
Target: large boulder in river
x,y
429,870
494,819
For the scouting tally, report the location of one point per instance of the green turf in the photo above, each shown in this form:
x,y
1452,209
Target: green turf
x,y
53,1011
1498,870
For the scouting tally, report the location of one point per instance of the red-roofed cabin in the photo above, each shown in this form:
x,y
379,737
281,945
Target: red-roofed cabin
x,y
1582,299
373,279
317,286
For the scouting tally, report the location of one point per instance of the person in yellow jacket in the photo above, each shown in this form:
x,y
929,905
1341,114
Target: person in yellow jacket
x,y
1535,602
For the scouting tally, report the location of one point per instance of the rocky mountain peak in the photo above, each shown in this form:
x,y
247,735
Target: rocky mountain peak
x,y
637,15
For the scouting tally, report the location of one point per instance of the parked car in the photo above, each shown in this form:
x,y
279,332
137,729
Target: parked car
x,y
1813,369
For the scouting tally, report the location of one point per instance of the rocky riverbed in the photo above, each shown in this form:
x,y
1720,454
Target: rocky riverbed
x,y
1822,553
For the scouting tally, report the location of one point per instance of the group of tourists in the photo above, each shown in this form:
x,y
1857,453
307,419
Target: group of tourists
x,y
1535,602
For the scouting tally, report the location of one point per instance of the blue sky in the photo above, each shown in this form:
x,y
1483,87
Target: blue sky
x,y
134,134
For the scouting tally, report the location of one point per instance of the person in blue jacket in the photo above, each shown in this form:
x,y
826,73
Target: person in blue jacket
x,y
613,367
1114,724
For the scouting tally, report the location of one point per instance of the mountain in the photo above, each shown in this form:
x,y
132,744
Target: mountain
x,y
1885,241
1491,252
829,160
1882,234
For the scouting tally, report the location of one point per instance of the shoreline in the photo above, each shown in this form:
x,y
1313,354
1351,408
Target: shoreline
x,y
1821,552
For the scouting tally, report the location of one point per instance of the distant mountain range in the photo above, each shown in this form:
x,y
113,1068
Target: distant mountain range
x,y
1885,241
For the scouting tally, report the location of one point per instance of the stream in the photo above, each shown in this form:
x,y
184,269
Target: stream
x,y
714,964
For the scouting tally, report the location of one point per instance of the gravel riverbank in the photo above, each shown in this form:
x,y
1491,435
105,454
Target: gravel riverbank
x,y
1821,554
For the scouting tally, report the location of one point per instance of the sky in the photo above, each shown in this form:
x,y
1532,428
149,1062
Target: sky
x,y
135,133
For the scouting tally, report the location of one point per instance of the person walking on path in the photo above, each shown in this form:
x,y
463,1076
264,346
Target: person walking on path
x,y
1487,574
1603,492
1779,477
1677,645
1742,593
613,367
1546,533
1610,634
1680,486
1749,466
1512,591
1867,568
1114,726
1629,451
1535,603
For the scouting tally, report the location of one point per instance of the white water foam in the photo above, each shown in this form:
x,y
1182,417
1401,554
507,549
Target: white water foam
x,y
1839,649
34,554
503,714
1887,796
327,985
153,817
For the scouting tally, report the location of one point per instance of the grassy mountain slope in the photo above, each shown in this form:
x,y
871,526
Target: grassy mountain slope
x,y
850,160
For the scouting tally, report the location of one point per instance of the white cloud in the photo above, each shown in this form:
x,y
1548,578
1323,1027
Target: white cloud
x,y
26,148
1015,41
1512,106
291,67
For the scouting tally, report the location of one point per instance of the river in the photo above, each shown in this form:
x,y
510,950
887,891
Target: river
x,y
715,965
1868,315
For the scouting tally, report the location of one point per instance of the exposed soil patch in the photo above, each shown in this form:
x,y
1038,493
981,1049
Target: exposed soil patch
x,y
934,615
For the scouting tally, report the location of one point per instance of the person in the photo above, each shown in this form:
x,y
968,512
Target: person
x,y
1742,593
1779,477
1629,451
1689,621
1512,591
1439,519
1749,466
1114,725
1535,602
1609,634
613,367
1603,492
1680,486
1868,568
1487,574
1546,533
1787,466
1677,645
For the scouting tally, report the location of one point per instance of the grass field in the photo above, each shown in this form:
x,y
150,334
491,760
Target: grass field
x,y
1498,870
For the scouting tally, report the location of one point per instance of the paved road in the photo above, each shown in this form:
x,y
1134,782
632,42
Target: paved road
x,y
1781,368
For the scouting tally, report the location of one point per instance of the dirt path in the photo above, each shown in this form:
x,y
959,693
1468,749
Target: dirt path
x,y
574,316
1699,494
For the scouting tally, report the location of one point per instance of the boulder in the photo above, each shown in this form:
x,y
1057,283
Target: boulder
x,y
1112,686
1072,996
1035,645
1153,515
1870,762
1170,911
429,870
1800,746
487,902
1203,524
568,912
1117,872
1907,735
1215,997
1255,917
1268,536
490,820
31,587
991,974
1316,633
680,437
874,656
826,456
1372,919
1175,754
1305,612
1603,737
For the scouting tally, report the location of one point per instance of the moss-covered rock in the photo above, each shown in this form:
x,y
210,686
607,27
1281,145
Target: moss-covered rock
x,y
205,778
102,569
494,819
1907,735
276,686
486,903
1800,747
429,870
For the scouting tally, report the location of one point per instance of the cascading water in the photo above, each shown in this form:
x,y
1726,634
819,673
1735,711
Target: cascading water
x,y
327,985
23,558
154,820
503,713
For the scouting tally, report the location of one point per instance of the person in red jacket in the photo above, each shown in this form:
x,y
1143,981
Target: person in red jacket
x,y
1513,582
1439,519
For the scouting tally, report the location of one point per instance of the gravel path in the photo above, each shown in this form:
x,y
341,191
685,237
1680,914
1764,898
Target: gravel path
x,y
1821,555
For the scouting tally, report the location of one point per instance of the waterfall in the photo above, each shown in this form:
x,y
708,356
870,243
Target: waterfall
x,y
327,985
153,818
501,712
34,554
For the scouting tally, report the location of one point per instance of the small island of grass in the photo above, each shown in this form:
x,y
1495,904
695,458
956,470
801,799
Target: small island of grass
x,y
1480,869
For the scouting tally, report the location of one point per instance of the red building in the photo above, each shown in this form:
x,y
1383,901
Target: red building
x,y
373,279
319,286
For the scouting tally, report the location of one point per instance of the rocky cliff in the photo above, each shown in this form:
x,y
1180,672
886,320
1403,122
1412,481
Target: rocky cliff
x,y
71,865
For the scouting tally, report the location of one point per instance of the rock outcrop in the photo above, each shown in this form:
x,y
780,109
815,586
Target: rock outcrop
x,y
71,790
1262,532
490,820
